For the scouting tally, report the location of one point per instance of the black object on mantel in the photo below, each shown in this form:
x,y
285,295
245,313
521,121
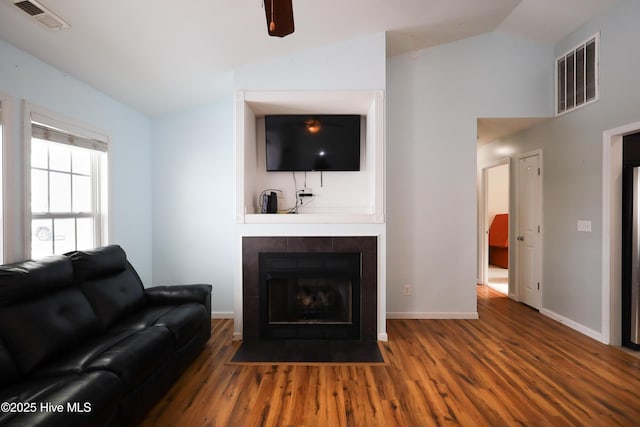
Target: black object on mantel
x,y
279,14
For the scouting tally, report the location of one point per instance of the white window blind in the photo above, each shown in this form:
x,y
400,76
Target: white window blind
x,y
55,135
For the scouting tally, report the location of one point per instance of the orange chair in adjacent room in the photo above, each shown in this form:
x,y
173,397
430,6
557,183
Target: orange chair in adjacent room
x,y
499,241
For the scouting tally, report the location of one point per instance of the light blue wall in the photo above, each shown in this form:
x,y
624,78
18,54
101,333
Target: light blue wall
x,y
572,179
25,78
434,98
193,199
357,64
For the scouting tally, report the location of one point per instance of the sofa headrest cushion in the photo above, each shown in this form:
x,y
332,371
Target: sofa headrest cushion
x,y
23,280
97,263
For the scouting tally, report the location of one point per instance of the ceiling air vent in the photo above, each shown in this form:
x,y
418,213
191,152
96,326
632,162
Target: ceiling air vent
x,y
41,14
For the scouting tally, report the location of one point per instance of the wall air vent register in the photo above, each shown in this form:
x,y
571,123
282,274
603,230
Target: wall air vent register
x,y
577,76
41,14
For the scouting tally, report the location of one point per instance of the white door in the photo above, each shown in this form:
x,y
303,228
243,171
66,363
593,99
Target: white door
x,y
528,233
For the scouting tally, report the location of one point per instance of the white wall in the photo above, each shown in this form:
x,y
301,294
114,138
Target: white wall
x,y
572,178
434,98
498,191
25,78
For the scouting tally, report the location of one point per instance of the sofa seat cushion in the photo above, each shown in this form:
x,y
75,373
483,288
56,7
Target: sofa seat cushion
x,y
136,357
184,322
77,360
40,329
96,394
142,318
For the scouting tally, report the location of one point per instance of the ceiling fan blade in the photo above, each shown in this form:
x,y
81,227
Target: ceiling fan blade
x,y
280,22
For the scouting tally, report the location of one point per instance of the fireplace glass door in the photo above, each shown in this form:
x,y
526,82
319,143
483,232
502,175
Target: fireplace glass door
x,y
309,300
310,295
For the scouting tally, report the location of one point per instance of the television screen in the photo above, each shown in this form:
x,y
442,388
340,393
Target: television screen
x,y
312,142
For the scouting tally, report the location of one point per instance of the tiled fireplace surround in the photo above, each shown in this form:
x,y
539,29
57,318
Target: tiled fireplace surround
x,y
367,246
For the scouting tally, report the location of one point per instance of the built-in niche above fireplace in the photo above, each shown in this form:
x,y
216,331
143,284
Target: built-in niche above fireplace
x,y
309,287
353,197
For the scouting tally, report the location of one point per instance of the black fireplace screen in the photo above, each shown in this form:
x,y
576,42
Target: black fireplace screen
x,y
309,300
310,295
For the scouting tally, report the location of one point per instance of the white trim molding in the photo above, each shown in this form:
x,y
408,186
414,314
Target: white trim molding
x,y
434,315
6,178
612,231
572,324
222,314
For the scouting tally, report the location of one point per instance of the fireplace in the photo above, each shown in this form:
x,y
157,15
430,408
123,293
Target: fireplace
x,y
309,288
309,295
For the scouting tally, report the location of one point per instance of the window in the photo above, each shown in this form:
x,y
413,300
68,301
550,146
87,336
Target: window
x,y
68,191
577,76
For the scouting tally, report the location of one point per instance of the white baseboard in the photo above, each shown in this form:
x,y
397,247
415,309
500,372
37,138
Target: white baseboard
x,y
382,336
432,315
222,314
573,325
237,336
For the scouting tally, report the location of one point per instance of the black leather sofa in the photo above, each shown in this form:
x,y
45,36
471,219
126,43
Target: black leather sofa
x,y
83,343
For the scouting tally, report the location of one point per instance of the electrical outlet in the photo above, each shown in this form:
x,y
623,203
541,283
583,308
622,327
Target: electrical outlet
x,y
407,290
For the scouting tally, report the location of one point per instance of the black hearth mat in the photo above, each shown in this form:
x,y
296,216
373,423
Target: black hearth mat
x,y
308,351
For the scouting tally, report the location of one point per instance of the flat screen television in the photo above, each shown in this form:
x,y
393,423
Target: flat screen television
x,y
321,142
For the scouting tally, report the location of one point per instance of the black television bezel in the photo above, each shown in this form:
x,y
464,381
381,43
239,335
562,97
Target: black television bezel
x,y
302,117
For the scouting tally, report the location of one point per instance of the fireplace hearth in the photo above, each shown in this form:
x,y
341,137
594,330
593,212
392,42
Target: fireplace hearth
x,y
309,288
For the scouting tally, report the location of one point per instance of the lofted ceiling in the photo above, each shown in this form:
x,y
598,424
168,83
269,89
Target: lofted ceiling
x,y
491,129
160,56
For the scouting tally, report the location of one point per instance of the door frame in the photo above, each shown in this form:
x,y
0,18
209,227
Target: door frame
x,y
611,326
516,225
483,219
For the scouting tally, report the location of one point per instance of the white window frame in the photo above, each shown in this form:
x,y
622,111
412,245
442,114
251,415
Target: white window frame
x,y
5,114
595,37
38,115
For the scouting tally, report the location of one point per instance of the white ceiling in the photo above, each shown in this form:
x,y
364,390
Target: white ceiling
x,y
159,56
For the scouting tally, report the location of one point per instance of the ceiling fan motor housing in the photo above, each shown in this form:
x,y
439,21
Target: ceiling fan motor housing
x,y
279,14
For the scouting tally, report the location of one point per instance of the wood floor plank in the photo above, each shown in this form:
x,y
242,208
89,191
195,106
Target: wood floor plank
x,y
511,367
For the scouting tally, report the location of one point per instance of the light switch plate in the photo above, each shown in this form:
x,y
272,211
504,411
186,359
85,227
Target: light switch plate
x,y
584,225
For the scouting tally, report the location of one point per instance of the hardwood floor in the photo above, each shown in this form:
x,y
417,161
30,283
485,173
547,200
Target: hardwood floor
x,y
513,366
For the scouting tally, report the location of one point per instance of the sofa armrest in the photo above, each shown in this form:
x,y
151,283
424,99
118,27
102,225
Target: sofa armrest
x,y
160,295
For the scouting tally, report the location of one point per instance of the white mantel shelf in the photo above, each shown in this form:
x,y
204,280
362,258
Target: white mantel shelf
x,y
312,219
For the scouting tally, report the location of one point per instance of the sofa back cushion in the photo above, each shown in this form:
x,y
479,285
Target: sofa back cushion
x,y
110,283
37,330
24,280
41,312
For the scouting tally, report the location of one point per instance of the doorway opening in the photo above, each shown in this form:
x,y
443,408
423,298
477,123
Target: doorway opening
x,y
495,219
612,140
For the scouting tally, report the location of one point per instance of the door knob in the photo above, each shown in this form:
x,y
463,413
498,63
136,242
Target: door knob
x,y
521,238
